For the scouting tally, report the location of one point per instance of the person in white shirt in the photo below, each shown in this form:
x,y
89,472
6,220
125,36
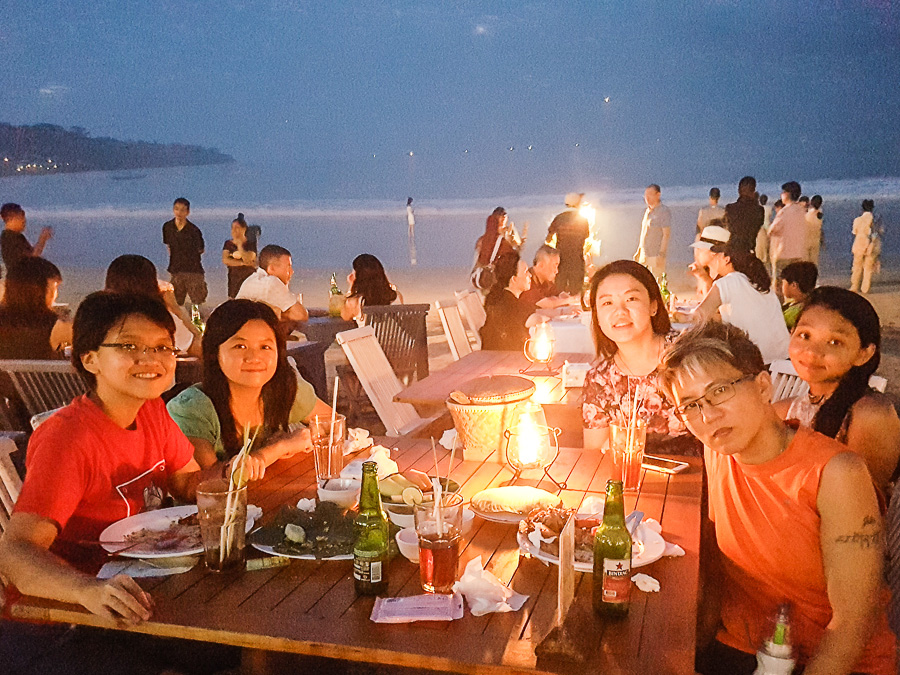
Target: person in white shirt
x,y
866,248
814,229
270,284
712,212
787,235
655,230
741,295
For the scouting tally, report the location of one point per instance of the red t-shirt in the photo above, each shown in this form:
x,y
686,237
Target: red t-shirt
x,y
768,530
84,472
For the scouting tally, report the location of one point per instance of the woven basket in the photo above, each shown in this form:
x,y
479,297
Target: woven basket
x,y
493,406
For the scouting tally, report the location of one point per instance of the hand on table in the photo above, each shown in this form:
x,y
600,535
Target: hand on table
x,y
254,467
297,442
118,598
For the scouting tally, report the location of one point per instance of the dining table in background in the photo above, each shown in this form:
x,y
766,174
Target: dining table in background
x,y
310,607
320,327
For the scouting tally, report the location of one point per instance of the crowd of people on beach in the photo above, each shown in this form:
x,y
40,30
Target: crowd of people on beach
x,y
798,491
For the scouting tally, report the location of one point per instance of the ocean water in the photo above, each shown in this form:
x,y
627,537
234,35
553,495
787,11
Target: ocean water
x,y
98,216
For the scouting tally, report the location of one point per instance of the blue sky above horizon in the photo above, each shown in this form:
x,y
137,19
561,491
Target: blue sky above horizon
x,y
488,96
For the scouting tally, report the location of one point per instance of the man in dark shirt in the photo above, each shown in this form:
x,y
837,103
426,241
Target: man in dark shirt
x,y
13,244
185,243
571,230
544,292
744,217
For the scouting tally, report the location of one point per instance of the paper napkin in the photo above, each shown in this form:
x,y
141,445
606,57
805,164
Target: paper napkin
x,y
484,593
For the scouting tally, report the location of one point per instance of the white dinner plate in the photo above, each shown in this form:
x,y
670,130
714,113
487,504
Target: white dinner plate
x,y
643,552
504,517
160,519
306,556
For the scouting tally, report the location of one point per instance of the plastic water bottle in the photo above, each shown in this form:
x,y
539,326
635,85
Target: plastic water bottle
x,y
776,657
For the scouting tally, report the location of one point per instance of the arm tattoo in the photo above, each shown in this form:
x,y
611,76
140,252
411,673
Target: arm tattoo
x,y
868,536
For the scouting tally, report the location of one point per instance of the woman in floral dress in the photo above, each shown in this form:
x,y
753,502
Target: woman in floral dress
x,y
631,330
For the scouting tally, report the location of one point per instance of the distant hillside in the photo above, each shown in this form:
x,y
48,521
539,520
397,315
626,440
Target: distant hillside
x,y
47,148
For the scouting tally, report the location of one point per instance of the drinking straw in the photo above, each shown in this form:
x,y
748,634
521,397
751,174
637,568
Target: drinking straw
x,y
437,473
333,418
240,464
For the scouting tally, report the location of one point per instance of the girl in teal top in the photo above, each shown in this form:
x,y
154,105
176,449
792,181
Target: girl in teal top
x,y
247,381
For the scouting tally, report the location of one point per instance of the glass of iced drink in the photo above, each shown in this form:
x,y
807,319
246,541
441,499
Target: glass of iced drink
x,y
439,527
328,445
627,446
223,522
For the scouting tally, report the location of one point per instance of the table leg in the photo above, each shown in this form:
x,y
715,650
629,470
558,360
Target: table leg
x,y
254,661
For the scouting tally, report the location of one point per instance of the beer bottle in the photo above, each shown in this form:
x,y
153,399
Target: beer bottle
x,y
335,298
370,552
612,556
196,319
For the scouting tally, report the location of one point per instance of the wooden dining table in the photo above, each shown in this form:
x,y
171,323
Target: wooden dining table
x,y
309,607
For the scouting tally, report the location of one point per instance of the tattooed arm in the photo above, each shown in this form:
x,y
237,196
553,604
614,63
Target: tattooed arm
x,y
852,539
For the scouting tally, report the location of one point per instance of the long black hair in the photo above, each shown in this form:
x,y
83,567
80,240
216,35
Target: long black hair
x,y
747,264
27,283
855,383
277,394
371,283
659,321
134,274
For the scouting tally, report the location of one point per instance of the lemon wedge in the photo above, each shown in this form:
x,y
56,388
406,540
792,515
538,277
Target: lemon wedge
x,y
412,496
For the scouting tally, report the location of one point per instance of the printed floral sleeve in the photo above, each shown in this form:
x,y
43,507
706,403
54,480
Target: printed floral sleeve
x,y
597,394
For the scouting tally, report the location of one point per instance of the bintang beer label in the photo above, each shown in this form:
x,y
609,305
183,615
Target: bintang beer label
x,y
612,556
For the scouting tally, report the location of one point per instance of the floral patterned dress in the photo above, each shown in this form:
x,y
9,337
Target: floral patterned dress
x,y
608,397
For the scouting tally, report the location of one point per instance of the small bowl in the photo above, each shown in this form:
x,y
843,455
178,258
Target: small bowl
x,y
404,520
468,517
408,543
402,514
342,491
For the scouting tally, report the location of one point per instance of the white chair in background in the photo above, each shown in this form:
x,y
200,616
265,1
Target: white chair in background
x,y
10,482
472,310
787,384
379,381
451,320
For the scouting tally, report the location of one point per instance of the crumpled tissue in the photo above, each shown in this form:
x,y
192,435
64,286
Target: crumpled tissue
x,y
484,593
142,569
672,550
380,455
448,439
646,583
357,439
307,505
592,505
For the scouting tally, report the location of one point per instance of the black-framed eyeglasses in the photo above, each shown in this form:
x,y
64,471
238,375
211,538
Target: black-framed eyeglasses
x,y
717,395
133,350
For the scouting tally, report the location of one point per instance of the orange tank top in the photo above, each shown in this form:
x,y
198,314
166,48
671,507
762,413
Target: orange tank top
x,y
767,527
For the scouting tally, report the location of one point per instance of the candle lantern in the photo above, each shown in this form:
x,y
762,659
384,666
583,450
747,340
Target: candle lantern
x,y
531,444
540,347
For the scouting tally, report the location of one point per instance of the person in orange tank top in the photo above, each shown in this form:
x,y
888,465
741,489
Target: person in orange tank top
x,y
794,518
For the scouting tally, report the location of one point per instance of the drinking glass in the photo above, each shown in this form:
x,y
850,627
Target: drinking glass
x,y
439,539
223,522
627,445
328,445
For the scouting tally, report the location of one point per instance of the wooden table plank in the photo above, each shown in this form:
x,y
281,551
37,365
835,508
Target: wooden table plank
x,y
310,607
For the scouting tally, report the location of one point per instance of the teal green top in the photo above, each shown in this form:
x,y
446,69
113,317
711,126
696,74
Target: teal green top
x,y
195,415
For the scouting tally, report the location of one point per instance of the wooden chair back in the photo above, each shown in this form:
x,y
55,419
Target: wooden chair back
x,y
472,310
451,320
10,482
785,381
44,385
401,332
378,380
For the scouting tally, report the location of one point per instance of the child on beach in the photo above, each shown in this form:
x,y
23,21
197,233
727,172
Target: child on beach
x,y
836,348
797,281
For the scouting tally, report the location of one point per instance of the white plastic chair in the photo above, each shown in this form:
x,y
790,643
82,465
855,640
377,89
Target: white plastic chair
x,y
451,320
472,311
10,481
787,384
379,381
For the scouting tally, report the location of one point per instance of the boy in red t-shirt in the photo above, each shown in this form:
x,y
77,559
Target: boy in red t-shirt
x,y
107,455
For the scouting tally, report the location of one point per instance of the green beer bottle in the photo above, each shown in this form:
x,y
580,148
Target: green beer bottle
x,y
370,552
335,298
612,556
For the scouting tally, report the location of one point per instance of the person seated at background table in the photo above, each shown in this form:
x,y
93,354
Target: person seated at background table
x,y
544,292
835,349
741,295
29,328
798,279
239,255
794,518
135,274
110,454
631,328
271,284
369,286
247,382
507,315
